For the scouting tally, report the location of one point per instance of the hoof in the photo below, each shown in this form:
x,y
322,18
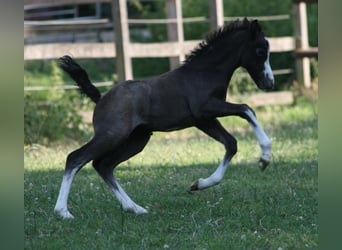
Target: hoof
x,y
194,187
64,213
135,209
263,164
141,211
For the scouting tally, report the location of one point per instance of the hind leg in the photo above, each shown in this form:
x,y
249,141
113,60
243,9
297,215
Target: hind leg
x,y
105,165
75,161
126,202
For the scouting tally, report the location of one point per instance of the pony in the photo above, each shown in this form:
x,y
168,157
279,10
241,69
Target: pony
x,y
194,94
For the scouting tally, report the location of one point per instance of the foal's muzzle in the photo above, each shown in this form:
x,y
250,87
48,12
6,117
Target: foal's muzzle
x,y
266,83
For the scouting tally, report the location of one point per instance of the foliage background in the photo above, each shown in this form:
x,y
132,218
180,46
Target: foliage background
x,y
53,115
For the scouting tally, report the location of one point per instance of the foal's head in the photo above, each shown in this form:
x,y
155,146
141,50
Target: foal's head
x,y
255,56
241,43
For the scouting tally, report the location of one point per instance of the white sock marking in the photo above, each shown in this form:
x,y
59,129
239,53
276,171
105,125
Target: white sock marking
x,y
215,178
264,141
127,203
61,206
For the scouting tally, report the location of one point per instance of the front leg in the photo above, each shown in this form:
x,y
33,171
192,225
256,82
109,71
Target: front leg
x,y
219,108
264,141
214,129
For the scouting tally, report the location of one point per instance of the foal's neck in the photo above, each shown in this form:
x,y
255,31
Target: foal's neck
x,y
222,57
220,66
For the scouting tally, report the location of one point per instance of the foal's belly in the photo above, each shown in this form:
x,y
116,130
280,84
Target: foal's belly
x,y
170,124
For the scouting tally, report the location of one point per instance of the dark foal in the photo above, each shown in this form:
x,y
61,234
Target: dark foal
x,y
192,95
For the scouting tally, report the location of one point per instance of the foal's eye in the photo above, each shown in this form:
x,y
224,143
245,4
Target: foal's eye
x,y
260,52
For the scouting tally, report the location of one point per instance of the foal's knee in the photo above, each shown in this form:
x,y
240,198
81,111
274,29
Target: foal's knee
x,y
231,147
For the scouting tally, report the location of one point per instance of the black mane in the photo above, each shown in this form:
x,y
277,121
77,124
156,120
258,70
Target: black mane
x,y
215,36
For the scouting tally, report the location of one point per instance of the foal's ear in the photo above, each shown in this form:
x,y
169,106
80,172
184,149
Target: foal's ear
x,y
255,29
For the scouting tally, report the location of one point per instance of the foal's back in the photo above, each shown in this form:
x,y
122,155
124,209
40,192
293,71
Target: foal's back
x,y
160,103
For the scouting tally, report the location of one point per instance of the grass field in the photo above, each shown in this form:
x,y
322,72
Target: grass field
x,y
275,209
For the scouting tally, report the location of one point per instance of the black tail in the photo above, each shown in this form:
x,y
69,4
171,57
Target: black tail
x,y
80,76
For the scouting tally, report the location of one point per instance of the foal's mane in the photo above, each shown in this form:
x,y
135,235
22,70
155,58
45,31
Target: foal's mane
x,y
215,36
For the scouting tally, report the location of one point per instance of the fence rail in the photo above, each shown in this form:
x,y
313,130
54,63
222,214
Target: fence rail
x,y
137,50
63,87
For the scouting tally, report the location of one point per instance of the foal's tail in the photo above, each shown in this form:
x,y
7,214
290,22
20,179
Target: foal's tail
x,y
80,76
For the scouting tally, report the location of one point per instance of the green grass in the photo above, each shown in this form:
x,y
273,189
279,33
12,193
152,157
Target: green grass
x,y
248,210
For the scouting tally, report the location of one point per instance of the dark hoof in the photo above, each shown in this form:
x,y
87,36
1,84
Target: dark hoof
x,y
263,164
194,187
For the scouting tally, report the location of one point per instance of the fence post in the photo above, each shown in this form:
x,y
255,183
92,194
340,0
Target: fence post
x,y
175,30
302,42
216,14
121,31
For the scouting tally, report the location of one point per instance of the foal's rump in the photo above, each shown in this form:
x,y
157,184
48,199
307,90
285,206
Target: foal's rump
x,y
122,108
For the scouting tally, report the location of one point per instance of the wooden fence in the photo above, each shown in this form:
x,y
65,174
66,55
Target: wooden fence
x,y
175,48
301,36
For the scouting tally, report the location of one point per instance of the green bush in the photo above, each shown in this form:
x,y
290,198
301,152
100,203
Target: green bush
x,y
53,114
